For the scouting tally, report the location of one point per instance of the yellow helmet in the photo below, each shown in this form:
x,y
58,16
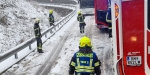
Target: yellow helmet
x,y
79,12
85,41
37,20
50,11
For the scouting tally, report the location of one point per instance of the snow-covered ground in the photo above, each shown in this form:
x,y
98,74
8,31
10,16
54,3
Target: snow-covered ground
x,y
31,64
17,21
100,41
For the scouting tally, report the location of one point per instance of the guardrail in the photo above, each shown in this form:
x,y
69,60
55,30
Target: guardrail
x,y
47,33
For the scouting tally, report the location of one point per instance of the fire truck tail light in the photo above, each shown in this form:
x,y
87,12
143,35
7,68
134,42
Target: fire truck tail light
x,y
133,38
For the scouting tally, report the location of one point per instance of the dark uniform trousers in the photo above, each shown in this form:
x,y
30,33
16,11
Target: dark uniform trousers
x,y
82,27
39,45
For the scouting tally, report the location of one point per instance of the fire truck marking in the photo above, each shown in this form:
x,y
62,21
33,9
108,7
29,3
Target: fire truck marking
x,y
133,53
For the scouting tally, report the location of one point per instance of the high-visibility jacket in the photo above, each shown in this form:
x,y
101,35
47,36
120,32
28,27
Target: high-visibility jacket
x,y
37,30
84,64
108,15
80,18
51,18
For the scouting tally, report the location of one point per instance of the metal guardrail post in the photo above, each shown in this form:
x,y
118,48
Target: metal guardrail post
x,y
55,28
30,47
51,31
46,35
58,25
64,21
28,43
16,56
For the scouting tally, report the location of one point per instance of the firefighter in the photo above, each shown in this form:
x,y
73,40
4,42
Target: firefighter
x,y
108,20
85,61
38,36
82,24
51,18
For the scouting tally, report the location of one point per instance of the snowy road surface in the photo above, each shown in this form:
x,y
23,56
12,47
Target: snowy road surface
x,y
101,43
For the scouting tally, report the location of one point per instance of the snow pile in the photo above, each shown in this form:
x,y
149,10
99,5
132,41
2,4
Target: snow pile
x,y
17,21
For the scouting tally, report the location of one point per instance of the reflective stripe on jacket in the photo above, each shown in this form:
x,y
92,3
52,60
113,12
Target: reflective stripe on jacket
x,y
51,18
80,18
85,63
108,15
37,31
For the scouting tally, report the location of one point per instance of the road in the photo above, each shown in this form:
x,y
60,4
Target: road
x,y
101,44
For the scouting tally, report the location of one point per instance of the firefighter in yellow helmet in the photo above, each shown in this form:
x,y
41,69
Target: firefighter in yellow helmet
x,y
51,18
85,61
82,24
38,35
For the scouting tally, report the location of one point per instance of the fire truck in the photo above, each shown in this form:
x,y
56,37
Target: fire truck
x,y
100,10
131,30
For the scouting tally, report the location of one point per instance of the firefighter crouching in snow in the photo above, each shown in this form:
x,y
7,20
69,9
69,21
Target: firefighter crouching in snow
x,y
51,18
81,18
109,21
38,36
85,61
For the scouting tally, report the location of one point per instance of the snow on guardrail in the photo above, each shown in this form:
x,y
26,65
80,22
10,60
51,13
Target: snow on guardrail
x,y
19,52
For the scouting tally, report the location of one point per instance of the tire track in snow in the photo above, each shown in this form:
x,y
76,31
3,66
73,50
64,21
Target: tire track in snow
x,y
102,47
89,24
45,69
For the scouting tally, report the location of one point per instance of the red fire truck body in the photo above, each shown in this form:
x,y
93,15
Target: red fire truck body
x,y
100,10
131,30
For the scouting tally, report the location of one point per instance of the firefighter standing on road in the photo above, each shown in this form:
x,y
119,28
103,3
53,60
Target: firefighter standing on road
x,y
85,61
38,36
51,18
108,20
81,18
